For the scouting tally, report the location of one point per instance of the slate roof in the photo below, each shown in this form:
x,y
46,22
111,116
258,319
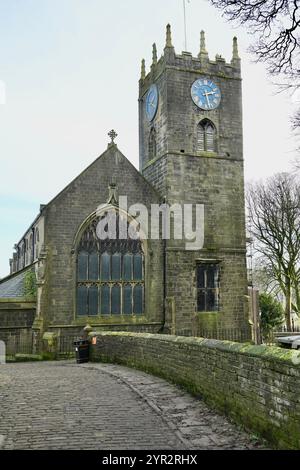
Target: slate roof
x,y
13,287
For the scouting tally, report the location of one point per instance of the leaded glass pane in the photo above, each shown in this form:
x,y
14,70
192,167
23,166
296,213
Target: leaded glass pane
x,y
127,267
116,300
127,300
138,267
116,267
105,267
201,301
82,294
93,300
200,276
82,266
212,276
211,300
93,266
105,300
138,300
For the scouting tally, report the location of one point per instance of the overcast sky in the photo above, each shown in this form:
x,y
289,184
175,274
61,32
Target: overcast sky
x,y
71,71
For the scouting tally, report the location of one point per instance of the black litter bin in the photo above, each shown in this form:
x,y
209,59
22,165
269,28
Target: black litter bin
x,y
82,351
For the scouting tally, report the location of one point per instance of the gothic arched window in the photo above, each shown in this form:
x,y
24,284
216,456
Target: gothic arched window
x,y
206,136
152,144
110,274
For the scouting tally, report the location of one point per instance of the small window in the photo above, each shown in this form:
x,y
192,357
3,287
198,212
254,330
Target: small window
x,y
206,136
152,144
207,287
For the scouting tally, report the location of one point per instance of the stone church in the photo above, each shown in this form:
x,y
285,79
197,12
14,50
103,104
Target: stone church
x,y
191,152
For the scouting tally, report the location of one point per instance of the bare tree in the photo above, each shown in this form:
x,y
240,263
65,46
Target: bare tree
x,y
275,25
274,213
296,120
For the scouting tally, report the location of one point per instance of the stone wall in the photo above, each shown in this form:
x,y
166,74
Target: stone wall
x,y
16,319
257,386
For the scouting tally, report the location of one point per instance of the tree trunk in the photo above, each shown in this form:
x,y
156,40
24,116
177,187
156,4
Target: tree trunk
x,y
288,307
297,297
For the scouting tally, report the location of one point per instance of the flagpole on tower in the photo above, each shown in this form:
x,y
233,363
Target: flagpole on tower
x,y
184,19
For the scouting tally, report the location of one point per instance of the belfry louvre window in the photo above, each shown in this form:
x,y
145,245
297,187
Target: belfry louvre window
x,y
207,287
110,275
206,136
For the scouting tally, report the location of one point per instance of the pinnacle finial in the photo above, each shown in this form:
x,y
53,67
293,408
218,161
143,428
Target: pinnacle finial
x,y
235,50
203,50
143,70
154,54
168,36
112,192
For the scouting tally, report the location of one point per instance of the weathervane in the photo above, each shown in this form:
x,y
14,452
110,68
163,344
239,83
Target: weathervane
x,y
112,134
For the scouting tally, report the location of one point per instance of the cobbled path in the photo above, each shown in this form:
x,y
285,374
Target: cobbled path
x,y
62,405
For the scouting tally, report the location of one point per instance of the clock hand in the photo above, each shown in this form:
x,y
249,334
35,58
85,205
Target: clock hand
x,y
206,96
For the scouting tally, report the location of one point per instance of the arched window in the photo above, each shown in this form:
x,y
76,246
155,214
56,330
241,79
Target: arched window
x,y
206,136
152,144
110,274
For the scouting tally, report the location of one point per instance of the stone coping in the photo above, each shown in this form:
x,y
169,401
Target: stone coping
x,y
270,353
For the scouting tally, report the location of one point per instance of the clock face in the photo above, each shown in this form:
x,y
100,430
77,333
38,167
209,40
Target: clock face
x,y
151,102
205,94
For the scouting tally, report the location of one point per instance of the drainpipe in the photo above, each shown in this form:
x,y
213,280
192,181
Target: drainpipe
x,y
24,252
164,271
33,246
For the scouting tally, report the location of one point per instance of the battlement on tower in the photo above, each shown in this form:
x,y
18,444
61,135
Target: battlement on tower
x,y
202,64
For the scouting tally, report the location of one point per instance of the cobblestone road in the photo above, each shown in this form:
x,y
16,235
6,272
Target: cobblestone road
x,y
62,405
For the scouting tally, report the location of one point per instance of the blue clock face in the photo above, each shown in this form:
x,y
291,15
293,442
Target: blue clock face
x,y
205,94
151,102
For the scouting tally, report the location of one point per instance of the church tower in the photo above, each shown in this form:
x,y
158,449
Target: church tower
x,y
191,151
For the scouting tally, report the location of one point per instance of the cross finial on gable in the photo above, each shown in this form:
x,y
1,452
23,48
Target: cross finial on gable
x,y
112,134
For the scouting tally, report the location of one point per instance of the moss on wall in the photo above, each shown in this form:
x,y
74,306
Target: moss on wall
x,y
257,386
